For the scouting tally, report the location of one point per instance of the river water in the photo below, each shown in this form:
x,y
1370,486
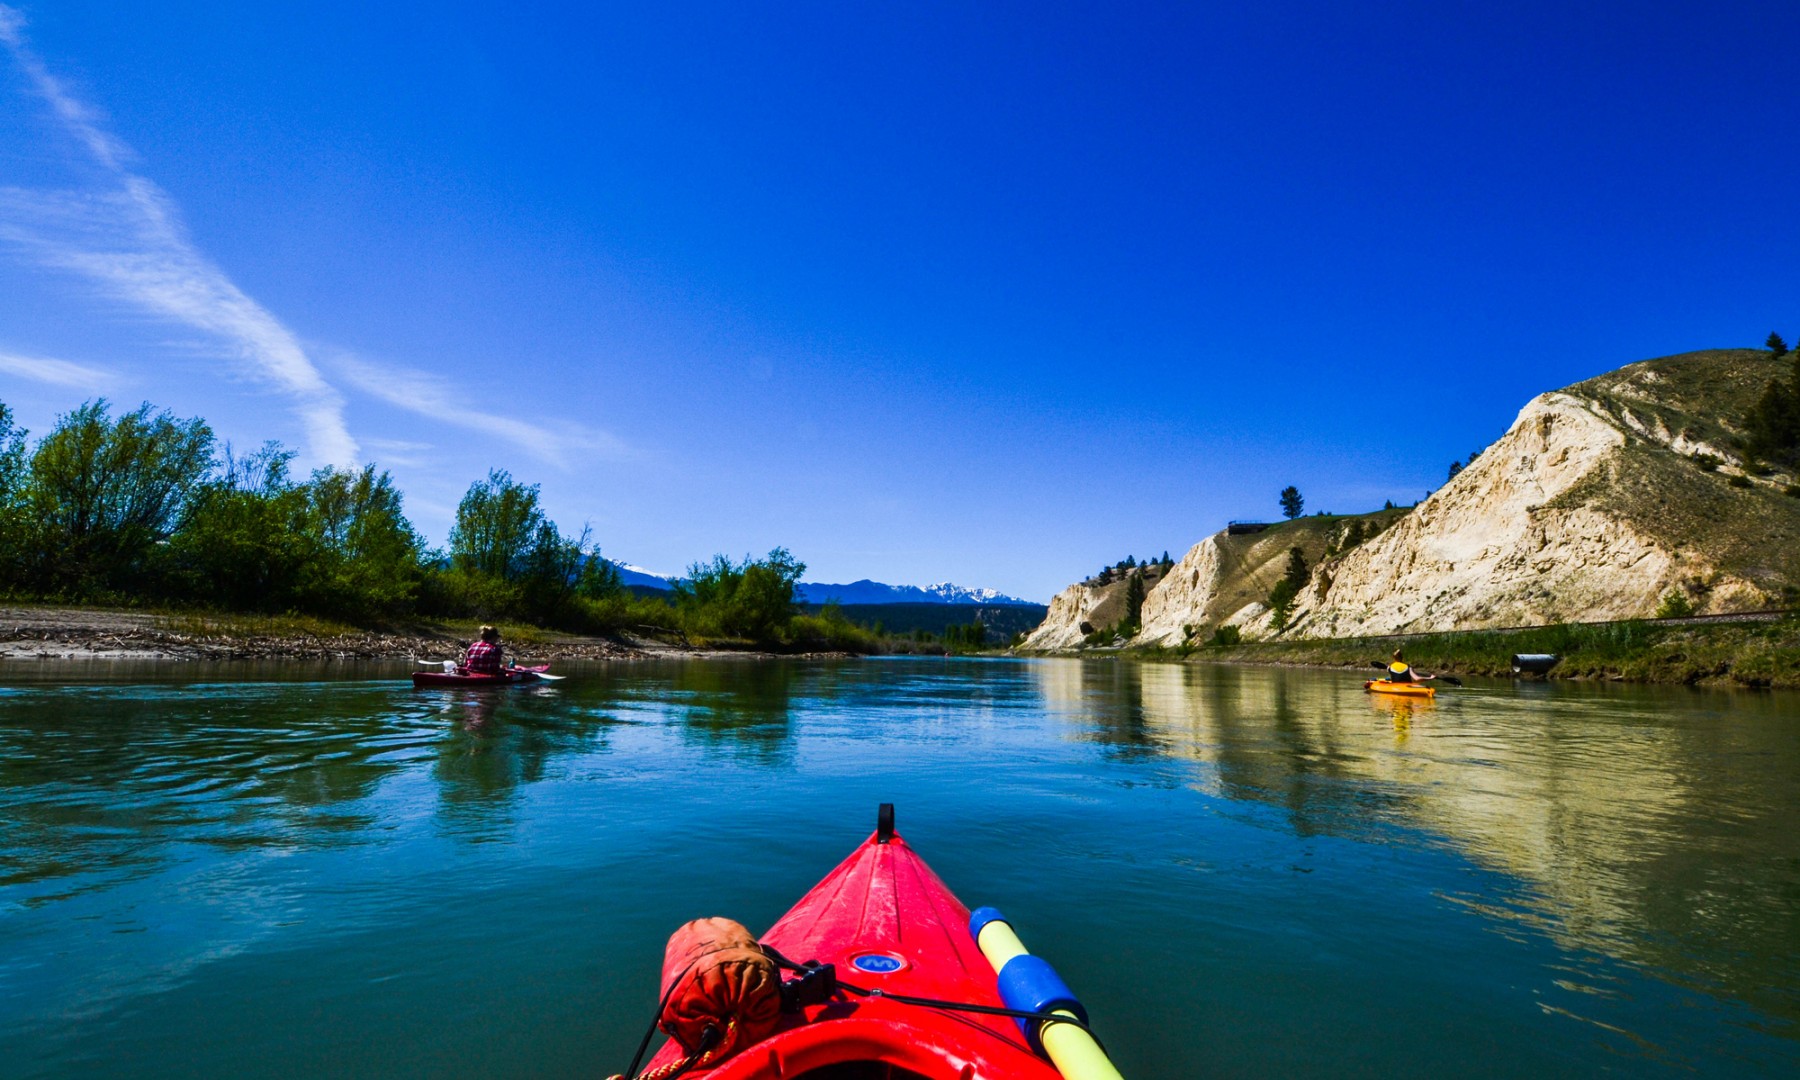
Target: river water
x,y
296,872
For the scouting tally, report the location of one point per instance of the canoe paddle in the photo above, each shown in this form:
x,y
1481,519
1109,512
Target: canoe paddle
x,y
1451,679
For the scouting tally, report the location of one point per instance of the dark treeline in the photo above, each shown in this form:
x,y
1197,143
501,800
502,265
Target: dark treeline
x,y
149,509
1772,429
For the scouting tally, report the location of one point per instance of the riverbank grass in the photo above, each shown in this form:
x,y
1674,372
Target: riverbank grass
x,y
1743,654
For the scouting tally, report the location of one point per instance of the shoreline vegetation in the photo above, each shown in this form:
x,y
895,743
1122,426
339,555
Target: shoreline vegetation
x,y
231,553
140,536
1750,654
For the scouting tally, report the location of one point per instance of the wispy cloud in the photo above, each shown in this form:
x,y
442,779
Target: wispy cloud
x,y
401,452
56,372
129,241
560,442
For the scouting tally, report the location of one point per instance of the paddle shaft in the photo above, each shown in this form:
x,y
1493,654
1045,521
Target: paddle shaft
x,y
1451,679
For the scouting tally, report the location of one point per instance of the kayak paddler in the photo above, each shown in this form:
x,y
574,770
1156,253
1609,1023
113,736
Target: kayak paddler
x,y
1400,671
485,655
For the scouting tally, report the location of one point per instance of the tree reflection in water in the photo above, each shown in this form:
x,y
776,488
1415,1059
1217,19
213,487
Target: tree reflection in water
x,y
1643,823
738,708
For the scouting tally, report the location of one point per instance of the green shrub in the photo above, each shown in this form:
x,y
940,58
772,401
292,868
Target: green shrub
x,y
1706,462
751,600
1740,482
1225,637
1675,605
830,631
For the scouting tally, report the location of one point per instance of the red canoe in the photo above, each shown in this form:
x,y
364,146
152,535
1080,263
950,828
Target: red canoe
x,y
887,923
512,675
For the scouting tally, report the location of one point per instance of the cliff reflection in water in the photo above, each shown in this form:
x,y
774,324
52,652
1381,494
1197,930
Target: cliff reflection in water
x,y
1653,834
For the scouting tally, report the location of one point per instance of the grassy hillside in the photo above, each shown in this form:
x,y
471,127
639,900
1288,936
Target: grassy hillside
x,y
1741,654
1698,397
1682,477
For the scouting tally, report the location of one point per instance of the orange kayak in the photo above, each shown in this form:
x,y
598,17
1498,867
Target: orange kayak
x,y
1404,689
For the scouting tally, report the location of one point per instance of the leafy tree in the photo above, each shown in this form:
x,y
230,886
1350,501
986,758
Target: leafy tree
x,y
337,544
753,599
497,522
14,535
511,557
238,546
1775,344
1291,502
366,554
104,493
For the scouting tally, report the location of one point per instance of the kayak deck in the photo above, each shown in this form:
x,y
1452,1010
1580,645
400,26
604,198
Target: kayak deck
x,y
510,676
1402,689
888,923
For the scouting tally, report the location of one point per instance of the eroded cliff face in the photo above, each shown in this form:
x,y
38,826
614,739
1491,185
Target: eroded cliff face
x,y
1597,502
1085,607
1190,588
1061,628
1510,542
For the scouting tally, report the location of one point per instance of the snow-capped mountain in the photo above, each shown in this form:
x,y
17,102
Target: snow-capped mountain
x,y
856,592
637,575
875,592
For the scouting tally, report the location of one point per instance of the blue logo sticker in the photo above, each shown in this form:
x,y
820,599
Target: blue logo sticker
x,y
877,963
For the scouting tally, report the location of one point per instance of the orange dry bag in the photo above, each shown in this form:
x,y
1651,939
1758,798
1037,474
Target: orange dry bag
x,y
716,975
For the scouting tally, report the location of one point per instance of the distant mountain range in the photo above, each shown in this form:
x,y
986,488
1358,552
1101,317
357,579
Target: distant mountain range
x,y
856,592
874,592
638,577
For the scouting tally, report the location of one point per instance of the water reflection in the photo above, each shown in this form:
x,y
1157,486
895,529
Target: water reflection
x,y
1656,835
149,829
97,773
741,709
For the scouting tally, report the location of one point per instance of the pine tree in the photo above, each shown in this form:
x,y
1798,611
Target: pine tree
x,y
1455,467
1776,345
1134,602
1297,570
1281,604
1291,502
1773,424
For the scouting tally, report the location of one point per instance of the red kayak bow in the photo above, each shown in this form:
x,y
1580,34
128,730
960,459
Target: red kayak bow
x,y
891,929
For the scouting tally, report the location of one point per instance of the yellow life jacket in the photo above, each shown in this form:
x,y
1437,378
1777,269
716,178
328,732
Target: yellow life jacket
x,y
1399,672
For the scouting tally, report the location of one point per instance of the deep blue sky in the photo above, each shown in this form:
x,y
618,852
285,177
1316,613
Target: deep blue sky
x,y
919,292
